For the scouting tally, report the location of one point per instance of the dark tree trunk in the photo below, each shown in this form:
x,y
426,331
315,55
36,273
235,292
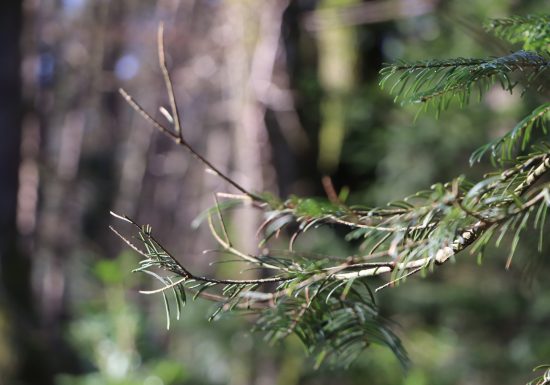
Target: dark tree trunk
x,y
15,267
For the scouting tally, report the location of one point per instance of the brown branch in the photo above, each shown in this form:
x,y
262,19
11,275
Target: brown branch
x,y
180,141
168,81
177,136
465,239
330,191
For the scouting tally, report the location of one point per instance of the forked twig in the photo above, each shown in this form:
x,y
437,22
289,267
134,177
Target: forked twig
x,y
177,136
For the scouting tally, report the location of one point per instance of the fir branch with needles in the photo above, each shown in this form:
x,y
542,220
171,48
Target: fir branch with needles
x,y
326,300
544,378
503,148
438,83
532,31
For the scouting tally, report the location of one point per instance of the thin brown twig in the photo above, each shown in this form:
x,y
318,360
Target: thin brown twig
x,y
168,81
180,141
328,186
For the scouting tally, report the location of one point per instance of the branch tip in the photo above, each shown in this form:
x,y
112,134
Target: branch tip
x,y
121,217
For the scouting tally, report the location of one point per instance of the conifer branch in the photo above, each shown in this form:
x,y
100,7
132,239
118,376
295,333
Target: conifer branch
x,y
532,31
439,82
326,300
519,137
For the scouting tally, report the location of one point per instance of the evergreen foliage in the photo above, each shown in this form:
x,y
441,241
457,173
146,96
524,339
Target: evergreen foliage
x,y
439,82
544,378
327,301
533,31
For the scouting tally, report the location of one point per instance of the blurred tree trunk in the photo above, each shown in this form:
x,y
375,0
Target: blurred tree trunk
x,y
15,291
337,46
27,356
12,266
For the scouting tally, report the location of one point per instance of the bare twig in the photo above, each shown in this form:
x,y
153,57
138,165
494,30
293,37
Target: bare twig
x,y
328,186
179,140
168,81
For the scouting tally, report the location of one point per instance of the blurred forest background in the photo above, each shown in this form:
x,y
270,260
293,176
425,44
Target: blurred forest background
x,y
278,93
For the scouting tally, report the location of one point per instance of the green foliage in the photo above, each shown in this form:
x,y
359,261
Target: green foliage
x,y
542,379
108,334
532,31
335,321
320,299
326,300
437,83
503,148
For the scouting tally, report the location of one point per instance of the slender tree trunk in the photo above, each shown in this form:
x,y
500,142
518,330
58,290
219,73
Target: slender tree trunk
x,y
14,268
15,292
27,352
